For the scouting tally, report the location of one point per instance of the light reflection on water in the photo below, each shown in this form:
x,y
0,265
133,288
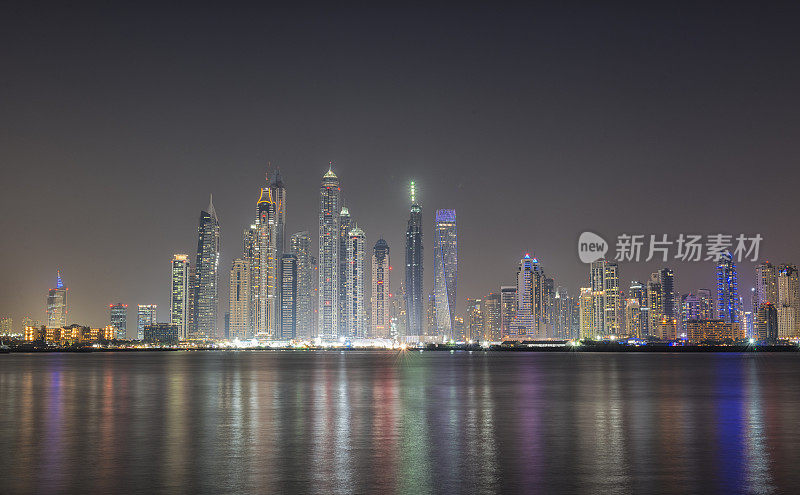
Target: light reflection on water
x,y
405,423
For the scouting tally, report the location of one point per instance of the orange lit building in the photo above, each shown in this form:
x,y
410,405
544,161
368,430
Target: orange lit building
x,y
712,330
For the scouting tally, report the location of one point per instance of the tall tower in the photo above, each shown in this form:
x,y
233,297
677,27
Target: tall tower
x,y
604,279
788,302
344,239
445,270
529,322
57,304
251,254
288,296
414,295
119,319
270,227
179,295
146,315
727,290
207,268
278,193
381,290
328,300
240,326
354,286
508,309
306,298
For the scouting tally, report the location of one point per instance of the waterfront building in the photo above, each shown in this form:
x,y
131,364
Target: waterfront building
x,y
179,295
354,285
788,304
586,314
161,334
475,320
691,307
669,309
288,297
604,281
6,326
638,290
712,330
270,227
145,315
306,294
766,285
345,225
240,326
414,269
381,290
766,328
508,309
491,317
445,270
206,296
252,255
563,314
655,305
727,289
706,304
530,320
397,313
328,260
118,318
57,308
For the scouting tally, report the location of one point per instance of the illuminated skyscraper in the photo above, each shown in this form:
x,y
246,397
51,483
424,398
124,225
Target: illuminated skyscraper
x,y
491,317
788,302
207,275
145,316
604,279
766,284
766,326
328,261
474,320
344,238
306,296
57,308
179,295
638,291
414,281
118,318
250,254
655,305
239,324
564,313
355,284
727,290
445,270
530,320
288,296
381,290
633,316
6,325
587,329
508,309
706,304
270,227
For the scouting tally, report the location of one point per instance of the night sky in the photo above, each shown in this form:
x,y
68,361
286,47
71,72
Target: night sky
x,y
534,123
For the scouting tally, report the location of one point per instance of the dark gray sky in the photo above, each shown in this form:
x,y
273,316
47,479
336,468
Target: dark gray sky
x,y
535,123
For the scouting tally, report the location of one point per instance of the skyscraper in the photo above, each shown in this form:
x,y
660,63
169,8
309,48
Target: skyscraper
x,y
306,296
288,296
344,239
586,310
179,295
604,279
767,323
766,284
445,270
727,290
475,320
239,302
655,305
207,274
529,322
354,287
118,319
638,291
251,254
146,315
706,304
563,312
57,308
491,317
788,305
414,281
328,261
270,227
508,309
381,290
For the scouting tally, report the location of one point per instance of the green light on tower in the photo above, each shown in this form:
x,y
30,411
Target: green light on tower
x,y
413,192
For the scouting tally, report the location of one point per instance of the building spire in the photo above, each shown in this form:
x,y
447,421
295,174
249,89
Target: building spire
x,y
413,193
210,211
59,282
329,174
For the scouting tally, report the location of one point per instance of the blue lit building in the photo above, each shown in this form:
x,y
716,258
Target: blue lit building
x,y
445,270
414,297
727,290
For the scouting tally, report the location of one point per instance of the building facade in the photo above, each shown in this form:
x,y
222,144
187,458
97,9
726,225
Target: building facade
x,y
381,290
306,293
328,260
288,297
240,325
414,270
206,304
445,270
727,289
355,311
57,308
146,315
118,318
179,295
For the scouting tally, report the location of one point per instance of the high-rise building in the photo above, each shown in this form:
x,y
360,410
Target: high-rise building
x,y
206,294
587,329
306,295
240,325
57,308
328,270
146,315
727,289
638,291
767,323
530,320
179,295
397,312
381,290
6,326
564,312
344,238
270,229
475,320
706,304
288,296
355,283
604,280
508,309
445,270
252,255
118,317
655,305
788,304
491,317
633,316
766,284
414,280
191,326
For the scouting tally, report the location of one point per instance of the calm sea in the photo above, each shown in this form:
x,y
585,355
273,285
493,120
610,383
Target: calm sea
x,y
389,422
